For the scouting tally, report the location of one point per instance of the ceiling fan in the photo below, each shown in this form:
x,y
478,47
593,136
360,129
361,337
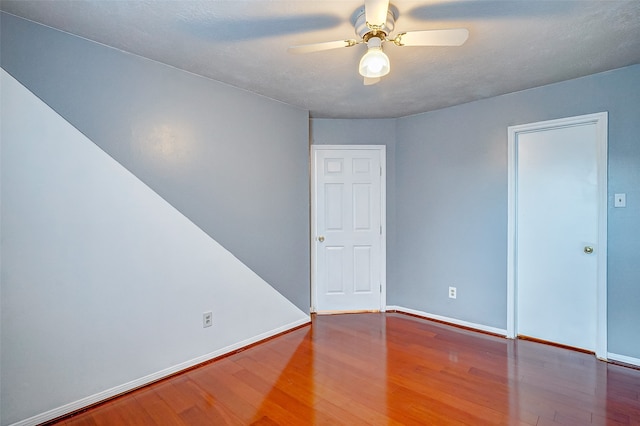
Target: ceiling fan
x,y
374,24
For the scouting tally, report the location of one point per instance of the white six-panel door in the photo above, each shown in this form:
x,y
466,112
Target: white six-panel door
x,y
348,228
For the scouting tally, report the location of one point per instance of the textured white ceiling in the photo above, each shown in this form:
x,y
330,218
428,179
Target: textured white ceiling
x,y
513,45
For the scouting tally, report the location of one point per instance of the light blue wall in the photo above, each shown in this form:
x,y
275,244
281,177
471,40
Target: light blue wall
x,y
234,163
451,201
451,216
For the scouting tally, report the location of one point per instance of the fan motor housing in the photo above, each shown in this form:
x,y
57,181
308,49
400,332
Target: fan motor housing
x,y
359,21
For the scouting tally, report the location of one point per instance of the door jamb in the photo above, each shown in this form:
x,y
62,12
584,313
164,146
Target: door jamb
x,y
601,122
383,216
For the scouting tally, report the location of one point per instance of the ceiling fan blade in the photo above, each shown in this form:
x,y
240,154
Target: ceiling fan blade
x,y
318,47
368,81
375,12
454,37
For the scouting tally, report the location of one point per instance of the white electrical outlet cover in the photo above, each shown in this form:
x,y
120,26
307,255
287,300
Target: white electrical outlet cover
x,y
620,200
207,319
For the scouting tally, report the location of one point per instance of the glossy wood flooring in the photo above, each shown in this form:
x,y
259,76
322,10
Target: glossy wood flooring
x,y
386,369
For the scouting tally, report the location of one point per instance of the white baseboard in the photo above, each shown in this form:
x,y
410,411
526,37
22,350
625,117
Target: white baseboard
x,y
455,321
143,381
623,358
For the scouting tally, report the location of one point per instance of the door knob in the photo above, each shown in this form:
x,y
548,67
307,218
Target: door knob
x,y
588,249
321,239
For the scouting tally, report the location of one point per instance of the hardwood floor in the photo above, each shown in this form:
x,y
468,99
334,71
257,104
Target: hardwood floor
x,y
386,369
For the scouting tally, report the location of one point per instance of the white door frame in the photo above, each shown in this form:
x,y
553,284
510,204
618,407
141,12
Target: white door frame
x,y
601,122
383,217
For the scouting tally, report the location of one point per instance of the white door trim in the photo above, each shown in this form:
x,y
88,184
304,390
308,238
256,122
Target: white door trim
x,y
383,217
601,122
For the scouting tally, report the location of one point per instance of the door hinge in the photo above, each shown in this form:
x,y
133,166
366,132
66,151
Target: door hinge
x,y
380,229
380,170
380,287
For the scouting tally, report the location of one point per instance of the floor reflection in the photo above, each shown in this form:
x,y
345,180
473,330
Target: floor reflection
x,y
437,377
337,373
379,369
553,385
281,374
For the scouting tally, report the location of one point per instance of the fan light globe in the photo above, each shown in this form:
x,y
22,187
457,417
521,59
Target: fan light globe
x,y
374,63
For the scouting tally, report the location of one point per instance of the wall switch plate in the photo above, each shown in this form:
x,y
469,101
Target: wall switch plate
x,y
207,319
620,200
453,292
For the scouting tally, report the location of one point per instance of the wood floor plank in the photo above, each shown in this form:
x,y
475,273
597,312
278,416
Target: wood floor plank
x,y
385,369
